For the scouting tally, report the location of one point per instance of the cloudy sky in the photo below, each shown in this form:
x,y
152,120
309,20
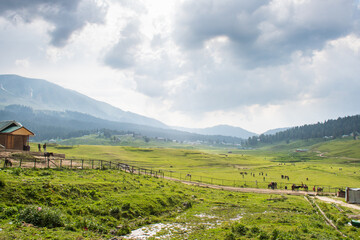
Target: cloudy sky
x,y
255,64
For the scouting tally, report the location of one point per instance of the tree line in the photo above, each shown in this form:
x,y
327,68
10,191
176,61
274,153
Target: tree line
x,y
329,129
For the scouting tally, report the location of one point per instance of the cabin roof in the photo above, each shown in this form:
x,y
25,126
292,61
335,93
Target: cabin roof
x,y
12,126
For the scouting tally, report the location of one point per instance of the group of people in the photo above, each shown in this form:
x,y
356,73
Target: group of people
x,y
44,147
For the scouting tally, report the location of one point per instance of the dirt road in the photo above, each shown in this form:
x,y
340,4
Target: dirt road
x,y
331,200
249,190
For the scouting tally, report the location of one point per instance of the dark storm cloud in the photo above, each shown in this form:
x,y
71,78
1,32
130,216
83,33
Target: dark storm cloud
x,y
263,33
66,16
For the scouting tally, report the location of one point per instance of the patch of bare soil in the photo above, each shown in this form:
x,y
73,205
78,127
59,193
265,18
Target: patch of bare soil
x,y
336,201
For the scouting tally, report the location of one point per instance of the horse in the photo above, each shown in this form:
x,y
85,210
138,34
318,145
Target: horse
x,y
272,185
305,187
295,187
8,163
48,154
320,189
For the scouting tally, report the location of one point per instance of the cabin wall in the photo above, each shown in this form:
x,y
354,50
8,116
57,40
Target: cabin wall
x,y
19,142
3,139
13,142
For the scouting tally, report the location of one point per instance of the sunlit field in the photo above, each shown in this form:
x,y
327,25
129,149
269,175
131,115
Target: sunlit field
x,y
331,164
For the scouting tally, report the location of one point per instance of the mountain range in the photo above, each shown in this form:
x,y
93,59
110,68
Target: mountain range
x,y
41,95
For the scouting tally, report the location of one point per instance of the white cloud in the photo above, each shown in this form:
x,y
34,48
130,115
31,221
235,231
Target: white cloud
x,y
255,64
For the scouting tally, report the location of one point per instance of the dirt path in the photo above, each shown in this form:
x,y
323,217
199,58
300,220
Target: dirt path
x,y
322,154
331,200
248,190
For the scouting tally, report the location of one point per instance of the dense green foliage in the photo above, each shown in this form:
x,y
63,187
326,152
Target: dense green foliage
x,y
330,128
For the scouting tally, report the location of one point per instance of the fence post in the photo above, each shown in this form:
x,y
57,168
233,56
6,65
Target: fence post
x,y
34,162
82,163
101,164
110,165
48,162
71,163
20,163
60,163
92,164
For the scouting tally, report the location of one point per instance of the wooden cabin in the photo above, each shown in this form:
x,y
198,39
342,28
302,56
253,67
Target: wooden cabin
x,y
13,135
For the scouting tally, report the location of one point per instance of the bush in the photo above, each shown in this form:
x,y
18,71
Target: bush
x,y
239,229
90,224
2,183
41,217
263,236
115,212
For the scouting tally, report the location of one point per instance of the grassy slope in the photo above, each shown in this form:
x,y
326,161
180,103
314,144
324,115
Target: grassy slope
x,y
92,203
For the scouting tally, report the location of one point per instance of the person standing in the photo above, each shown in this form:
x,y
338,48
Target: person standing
x,y
39,147
44,146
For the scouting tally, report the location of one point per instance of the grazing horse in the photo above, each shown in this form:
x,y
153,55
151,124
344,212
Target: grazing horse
x,y
295,187
272,185
47,155
188,175
305,187
8,163
320,189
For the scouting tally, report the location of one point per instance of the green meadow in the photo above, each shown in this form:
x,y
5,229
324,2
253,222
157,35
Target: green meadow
x,y
330,164
109,203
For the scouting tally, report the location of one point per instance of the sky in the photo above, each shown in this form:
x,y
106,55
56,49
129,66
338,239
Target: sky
x,y
254,64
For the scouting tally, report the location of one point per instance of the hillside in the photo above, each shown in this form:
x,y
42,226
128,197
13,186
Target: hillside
x,y
43,95
53,124
330,129
224,130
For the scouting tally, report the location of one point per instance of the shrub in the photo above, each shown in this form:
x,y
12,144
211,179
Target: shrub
x,y
41,217
10,211
2,183
90,224
115,212
239,229
263,236
230,236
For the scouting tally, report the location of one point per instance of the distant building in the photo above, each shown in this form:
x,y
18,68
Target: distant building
x,y
13,135
302,150
352,195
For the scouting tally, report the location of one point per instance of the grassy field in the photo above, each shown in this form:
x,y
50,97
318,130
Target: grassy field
x,y
101,204
337,168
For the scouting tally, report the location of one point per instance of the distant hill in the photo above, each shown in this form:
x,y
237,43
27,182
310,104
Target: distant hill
x,y
274,131
43,95
223,130
67,124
